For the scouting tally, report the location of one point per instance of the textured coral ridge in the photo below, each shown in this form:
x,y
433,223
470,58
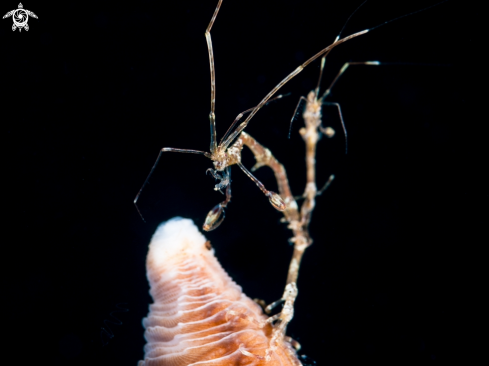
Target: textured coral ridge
x,y
200,316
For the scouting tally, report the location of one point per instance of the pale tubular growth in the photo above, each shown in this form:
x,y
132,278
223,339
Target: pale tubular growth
x,y
224,154
199,315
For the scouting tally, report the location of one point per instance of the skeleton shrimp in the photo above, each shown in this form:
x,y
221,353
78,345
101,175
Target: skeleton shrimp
x,y
226,153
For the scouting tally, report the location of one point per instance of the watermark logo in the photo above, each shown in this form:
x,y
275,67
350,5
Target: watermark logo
x,y
20,17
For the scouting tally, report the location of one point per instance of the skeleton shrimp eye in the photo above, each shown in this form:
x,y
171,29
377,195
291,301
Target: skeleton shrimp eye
x,y
214,218
276,201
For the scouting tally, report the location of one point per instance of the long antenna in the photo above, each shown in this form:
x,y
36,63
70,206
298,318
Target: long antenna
x,y
344,25
323,59
409,14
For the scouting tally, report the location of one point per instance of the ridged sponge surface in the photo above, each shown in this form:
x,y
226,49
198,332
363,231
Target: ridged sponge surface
x,y
199,315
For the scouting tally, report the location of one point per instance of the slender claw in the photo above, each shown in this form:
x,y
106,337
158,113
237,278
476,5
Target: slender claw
x,y
276,201
214,218
293,343
273,305
214,173
328,131
258,165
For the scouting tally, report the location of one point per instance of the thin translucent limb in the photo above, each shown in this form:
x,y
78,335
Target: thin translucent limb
x,y
243,113
274,198
321,191
296,112
342,123
407,15
216,216
273,305
165,149
212,115
380,25
326,185
224,179
273,318
343,69
264,157
243,125
323,61
254,179
344,25
346,65
212,120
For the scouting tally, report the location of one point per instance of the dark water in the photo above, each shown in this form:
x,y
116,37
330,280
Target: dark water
x,y
92,92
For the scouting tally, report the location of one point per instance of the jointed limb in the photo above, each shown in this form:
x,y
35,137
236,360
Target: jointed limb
x,y
325,131
296,112
242,126
326,185
238,118
273,197
264,157
165,149
301,238
212,115
215,216
343,69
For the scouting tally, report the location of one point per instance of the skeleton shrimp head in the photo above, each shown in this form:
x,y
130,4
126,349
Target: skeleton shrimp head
x,y
312,118
222,159
312,114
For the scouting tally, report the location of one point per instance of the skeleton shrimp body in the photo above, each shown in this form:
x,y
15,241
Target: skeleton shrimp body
x,y
226,153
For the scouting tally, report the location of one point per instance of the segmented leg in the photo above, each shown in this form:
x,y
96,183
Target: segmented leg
x,y
313,104
273,197
264,157
343,69
241,115
326,185
326,132
215,216
243,125
212,115
296,112
165,149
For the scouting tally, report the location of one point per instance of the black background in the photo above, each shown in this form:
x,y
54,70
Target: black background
x,y
92,92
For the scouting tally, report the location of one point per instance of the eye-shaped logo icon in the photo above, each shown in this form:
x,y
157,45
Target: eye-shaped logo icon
x,y
20,17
